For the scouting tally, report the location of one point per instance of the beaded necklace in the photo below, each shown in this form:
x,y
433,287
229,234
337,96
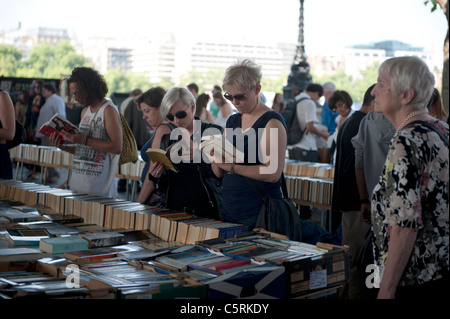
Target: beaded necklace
x,y
410,116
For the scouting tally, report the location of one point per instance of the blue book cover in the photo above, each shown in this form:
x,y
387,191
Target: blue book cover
x,y
58,245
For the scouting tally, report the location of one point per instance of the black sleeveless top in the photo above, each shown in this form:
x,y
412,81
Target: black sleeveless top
x,y
240,200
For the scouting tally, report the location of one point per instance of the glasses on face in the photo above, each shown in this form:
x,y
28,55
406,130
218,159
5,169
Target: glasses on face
x,y
237,97
179,115
338,106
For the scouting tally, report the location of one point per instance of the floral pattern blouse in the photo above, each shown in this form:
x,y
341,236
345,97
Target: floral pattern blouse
x,y
413,192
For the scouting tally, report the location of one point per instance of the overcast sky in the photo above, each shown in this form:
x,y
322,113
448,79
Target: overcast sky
x,y
329,24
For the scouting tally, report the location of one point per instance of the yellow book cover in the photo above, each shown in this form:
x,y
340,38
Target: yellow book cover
x,y
160,156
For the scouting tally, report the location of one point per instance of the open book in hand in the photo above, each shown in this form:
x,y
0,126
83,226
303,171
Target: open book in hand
x,y
161,156
58,123
222,148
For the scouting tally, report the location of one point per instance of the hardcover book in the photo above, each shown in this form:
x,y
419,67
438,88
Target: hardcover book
x,y
59,245
104,239
26,236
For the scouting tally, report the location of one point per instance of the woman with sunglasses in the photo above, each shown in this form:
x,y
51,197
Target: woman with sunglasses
x,y
194,188
264,151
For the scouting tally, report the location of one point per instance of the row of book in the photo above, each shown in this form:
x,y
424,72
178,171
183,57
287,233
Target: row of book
x,y
137,263
309,169
48,155
309,189
132,169
114,213
41,154
129,263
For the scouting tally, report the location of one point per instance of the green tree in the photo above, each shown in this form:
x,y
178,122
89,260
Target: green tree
x,y
118,81
355,87
45,61
10,60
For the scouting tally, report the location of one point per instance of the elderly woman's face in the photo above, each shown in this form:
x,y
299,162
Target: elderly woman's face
x,y
385,98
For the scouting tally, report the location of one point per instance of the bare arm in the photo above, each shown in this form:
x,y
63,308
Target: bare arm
x,y
113,129
311,128
7,118
155,170
273,146
401,244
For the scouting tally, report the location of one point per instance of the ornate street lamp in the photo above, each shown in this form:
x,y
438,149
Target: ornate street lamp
x,y
299,78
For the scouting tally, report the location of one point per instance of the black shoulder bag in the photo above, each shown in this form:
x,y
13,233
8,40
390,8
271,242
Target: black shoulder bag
x,y
278,215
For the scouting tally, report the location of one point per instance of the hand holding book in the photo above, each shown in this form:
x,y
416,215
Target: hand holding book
x,y
61,129
220,150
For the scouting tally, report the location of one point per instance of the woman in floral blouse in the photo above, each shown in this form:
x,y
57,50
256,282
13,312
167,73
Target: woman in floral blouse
x,y
410,203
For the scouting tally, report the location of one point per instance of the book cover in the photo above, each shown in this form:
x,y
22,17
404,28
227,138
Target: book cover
x,y
161,156
89,255
58,245
104,239
17,216
26,236
57,123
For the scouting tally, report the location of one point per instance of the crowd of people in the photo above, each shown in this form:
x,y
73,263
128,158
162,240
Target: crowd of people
x,y
390,157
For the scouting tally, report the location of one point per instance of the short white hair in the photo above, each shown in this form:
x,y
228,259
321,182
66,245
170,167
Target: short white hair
x,y
174,95
243,75
329,87
410,72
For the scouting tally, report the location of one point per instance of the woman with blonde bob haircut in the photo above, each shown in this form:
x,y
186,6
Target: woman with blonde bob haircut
x,y
260,133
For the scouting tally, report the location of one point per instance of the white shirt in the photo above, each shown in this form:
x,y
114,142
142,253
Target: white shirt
x,y
306,112
93,171
54,104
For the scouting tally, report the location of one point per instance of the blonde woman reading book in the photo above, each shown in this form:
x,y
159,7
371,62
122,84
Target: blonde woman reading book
x,y
193,188
241,203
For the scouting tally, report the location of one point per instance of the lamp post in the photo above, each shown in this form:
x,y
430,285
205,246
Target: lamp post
x,y
299,78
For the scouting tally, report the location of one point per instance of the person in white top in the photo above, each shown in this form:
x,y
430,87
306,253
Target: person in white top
x,y
306,149
225,109
53,104
340,102
98,146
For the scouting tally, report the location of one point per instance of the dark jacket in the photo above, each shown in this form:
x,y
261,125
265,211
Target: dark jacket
x,y
195,188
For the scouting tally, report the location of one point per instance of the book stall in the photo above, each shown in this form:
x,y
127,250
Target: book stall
x,y
55,243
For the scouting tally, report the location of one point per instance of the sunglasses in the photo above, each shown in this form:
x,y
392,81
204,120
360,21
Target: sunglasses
x,y
179,115
237,97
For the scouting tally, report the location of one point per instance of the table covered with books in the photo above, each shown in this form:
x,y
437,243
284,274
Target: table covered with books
x,y
58,244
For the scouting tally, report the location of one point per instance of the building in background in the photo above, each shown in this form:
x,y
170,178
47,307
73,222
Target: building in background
x,y
164,57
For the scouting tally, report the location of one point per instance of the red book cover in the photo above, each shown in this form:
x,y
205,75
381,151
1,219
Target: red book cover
x,y
57,124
